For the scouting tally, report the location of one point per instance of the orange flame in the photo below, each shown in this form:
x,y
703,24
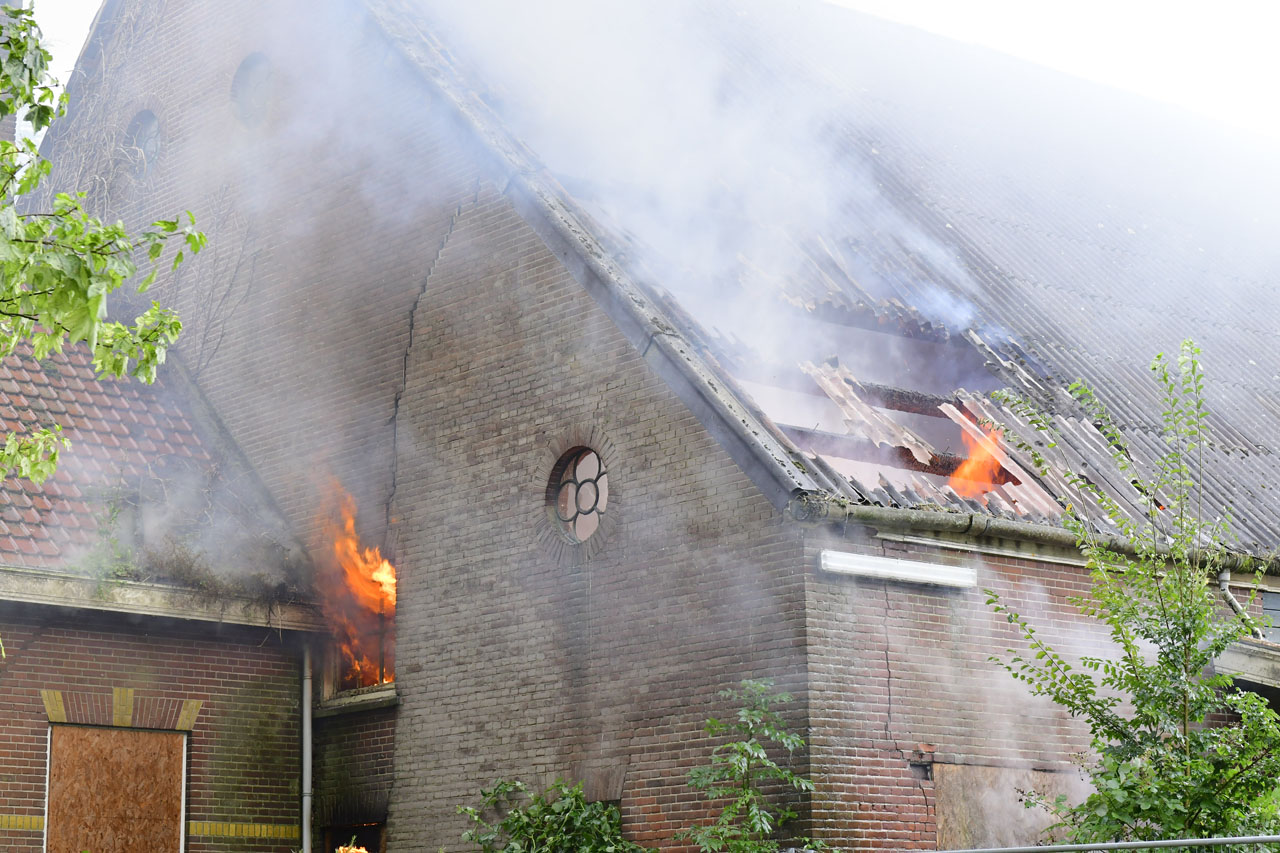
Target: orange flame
x,y
977,474
371,579
358,594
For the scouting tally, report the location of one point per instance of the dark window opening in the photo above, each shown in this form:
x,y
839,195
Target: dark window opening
x,y
357,590
365,658
370,837
142,142
251,90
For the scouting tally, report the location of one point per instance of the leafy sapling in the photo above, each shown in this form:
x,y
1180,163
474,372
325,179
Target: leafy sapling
x,y
1177,751
738,770
59,265
557,820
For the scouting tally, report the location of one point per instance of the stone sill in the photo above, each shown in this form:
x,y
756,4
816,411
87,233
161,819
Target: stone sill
x,y
354,701
1254,661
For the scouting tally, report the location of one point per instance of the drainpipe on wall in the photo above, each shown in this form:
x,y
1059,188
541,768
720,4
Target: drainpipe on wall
x,y
306,748
1224,581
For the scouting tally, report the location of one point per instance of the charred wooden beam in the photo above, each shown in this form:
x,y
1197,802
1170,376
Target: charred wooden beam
x,y
903,399
860,449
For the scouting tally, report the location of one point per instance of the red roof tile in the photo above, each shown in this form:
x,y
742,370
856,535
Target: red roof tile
x,y
48,525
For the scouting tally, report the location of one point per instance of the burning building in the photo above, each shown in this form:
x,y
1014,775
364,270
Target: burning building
x,y
641,391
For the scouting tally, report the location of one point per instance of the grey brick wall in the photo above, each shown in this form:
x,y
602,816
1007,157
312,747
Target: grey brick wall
x,y
525,659
901,681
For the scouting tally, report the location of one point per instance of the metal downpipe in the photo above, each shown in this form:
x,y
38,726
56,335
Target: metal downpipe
x,y
306,748
1224,584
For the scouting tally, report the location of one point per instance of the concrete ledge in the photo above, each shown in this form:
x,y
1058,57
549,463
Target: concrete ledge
x,y
56,589
1253,661
368,699
896,569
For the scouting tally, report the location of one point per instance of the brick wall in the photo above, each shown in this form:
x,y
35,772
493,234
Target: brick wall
x,y
353,767
522,656
243,754
900,682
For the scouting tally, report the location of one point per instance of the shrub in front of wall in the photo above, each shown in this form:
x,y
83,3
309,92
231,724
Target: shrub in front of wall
x,y
734,778
558,820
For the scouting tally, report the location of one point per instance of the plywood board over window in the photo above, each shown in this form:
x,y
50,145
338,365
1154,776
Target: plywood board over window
x,y
115,790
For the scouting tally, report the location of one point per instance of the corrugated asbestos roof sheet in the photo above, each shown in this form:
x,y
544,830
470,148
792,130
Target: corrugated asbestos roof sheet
x,y
1001,226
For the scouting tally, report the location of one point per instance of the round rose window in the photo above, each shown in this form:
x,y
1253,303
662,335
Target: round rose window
x,y
578,493
142,142
251,90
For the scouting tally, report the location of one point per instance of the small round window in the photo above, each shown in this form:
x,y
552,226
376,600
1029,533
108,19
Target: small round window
x,y
251,90
142,141
578,493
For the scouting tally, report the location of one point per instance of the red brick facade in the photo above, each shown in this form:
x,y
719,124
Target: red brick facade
x,y
236,690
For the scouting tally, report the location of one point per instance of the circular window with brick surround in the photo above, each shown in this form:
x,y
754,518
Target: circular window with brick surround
x,y
578,493
142,142
251,90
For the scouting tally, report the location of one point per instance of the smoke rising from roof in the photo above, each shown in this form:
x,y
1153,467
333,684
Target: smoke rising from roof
x,y
735,153
722,140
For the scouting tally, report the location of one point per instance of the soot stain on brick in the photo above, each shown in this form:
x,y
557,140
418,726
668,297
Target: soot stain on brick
x,y
256,736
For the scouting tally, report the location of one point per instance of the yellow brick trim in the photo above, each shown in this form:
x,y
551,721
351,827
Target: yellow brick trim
x,y
122,706
29,822
53,705
190,710
214,828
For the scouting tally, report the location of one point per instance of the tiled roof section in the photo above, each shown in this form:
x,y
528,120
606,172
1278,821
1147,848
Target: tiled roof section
x,y
121,432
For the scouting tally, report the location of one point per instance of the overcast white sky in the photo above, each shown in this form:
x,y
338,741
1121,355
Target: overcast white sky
x,y
1217,59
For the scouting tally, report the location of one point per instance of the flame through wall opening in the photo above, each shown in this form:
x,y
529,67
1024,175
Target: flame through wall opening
x,y
357,588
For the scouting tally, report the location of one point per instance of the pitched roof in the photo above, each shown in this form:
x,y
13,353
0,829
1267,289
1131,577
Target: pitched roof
x,y
118,430
863,229
146,473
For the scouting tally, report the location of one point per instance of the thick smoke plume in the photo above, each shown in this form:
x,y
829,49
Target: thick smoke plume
x,y
727,142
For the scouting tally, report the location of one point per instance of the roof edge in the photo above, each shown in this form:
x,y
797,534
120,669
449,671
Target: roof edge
x,y
53,589
822,507
211,429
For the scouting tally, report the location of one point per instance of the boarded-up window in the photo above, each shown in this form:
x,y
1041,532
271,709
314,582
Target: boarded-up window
x,y
979,806
115,790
